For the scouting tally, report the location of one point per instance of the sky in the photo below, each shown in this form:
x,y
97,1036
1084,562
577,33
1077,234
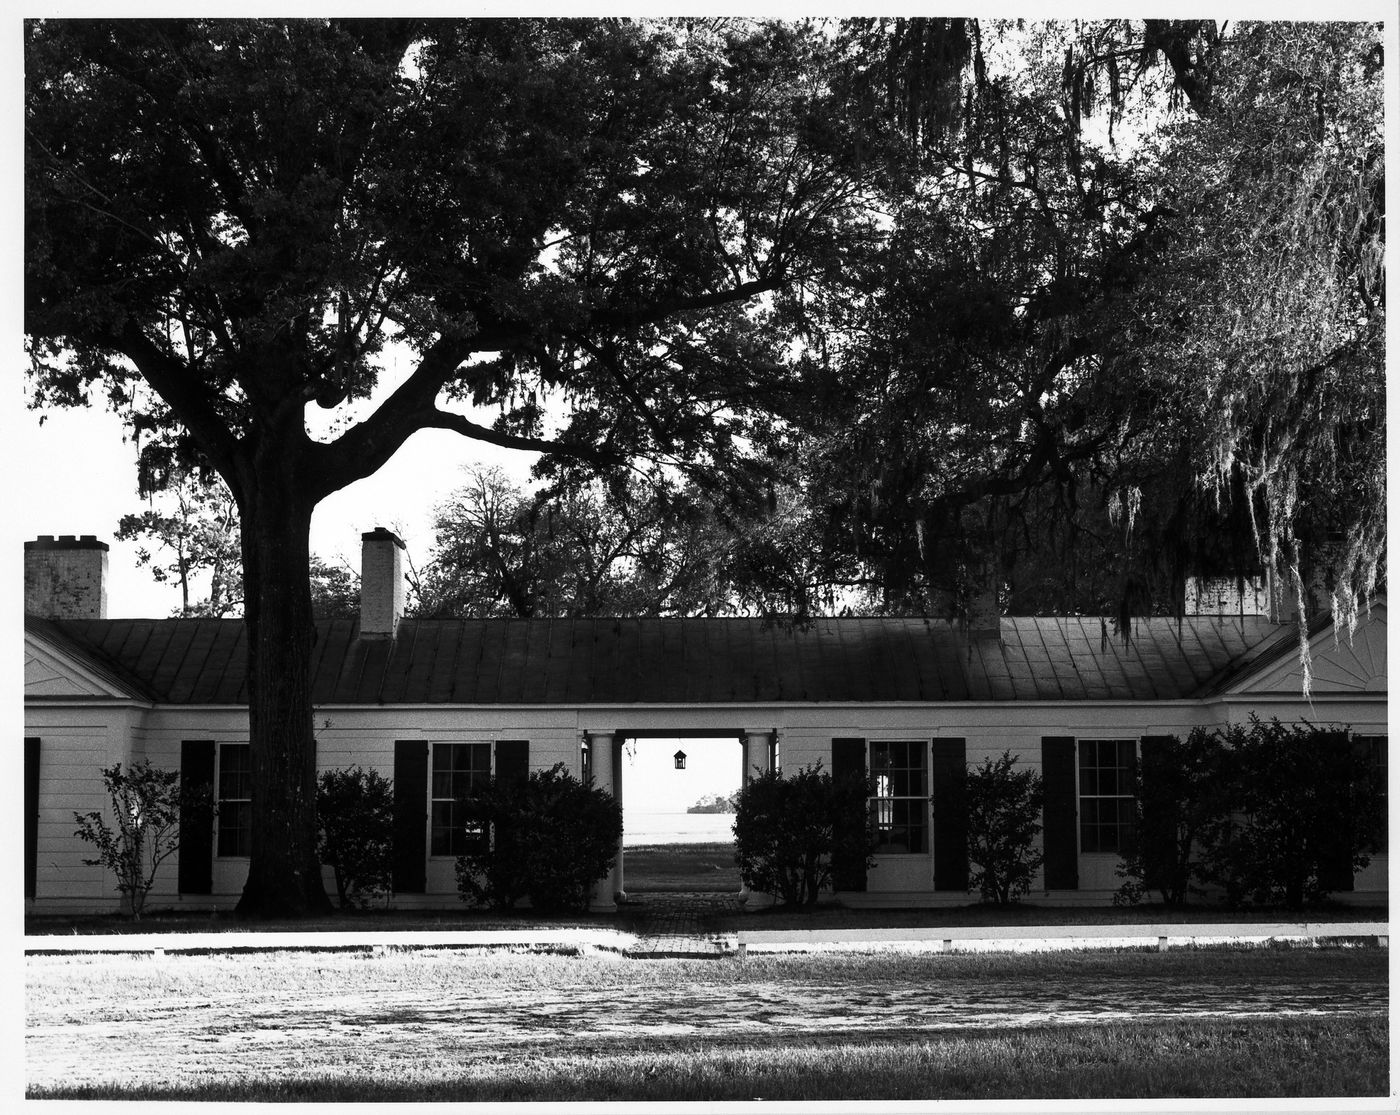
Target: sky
x,y
712,766
79,477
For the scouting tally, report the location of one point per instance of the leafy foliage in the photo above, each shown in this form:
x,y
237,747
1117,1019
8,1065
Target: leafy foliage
x,y
1003,821
716,803
574,551
1270,313
549,838
1309,804
355,808
1086,369
1270,813
787,828
147,808
200,535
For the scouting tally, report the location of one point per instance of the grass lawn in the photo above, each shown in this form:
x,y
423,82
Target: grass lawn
x,y
499,1026
650,868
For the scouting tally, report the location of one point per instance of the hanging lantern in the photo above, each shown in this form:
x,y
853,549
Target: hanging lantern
x,y
680,760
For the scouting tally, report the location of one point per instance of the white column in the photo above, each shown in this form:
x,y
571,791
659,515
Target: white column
x,y
758,752
757,749
600,751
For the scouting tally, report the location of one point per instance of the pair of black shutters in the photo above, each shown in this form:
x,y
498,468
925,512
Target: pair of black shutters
x,y
949,772
411,773
412,769
1059,760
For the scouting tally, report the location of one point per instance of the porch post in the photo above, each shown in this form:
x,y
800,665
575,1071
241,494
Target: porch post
x,y
601,754
757,747
758,752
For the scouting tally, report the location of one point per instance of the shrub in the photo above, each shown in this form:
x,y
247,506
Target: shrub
x,y
788,829
1307,810
146,804
1272,814
1181,803
355,809
549,837
1003,820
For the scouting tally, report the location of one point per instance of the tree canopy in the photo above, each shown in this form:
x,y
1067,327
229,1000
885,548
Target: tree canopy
x,y
1156,355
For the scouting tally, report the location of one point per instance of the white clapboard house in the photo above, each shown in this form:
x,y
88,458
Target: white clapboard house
x,y
438,704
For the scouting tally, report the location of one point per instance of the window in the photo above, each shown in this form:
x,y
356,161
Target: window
x,y
900,804
458,769
235,799
1105,793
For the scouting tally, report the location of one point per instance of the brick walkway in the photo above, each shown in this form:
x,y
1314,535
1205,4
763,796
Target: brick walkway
x,y
673,924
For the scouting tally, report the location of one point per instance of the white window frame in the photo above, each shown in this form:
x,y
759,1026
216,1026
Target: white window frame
x,y
879,801
1125,794
221,801
434,799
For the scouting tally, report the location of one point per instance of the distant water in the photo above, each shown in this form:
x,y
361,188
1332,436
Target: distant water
x,y
676,828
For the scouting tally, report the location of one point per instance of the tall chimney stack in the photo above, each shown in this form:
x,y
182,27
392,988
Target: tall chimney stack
x,y
983,604
66,577
381,584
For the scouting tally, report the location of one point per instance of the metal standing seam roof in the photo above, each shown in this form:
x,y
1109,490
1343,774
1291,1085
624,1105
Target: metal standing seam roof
x,y
688,661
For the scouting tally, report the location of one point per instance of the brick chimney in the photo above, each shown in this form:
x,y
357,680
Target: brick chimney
x,y
984,614
1222,596
66,577
983,605
381,584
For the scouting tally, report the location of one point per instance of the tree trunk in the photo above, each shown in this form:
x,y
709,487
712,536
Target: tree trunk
x,y
284,874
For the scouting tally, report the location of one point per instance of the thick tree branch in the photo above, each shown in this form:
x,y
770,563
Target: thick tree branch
x,y
446,420
187,395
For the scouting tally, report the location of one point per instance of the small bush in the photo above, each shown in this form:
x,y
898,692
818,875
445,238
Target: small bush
x,y
1003,820
788,829
355,808
551,838
146,804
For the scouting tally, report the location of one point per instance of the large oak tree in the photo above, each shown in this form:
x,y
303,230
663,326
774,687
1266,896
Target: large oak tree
x,y
252,217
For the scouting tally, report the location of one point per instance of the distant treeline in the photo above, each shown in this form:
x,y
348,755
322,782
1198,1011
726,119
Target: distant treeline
x,y
716,803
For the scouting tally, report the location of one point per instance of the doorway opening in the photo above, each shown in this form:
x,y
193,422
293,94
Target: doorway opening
x,y
678,802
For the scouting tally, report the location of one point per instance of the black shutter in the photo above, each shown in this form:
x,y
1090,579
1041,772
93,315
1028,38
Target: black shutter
x,y
1155,831
410,816
196,873
847,862
512,760
31,815
1061,813
949,814
1334,867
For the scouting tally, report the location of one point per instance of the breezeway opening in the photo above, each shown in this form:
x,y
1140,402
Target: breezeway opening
x,y
665,846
